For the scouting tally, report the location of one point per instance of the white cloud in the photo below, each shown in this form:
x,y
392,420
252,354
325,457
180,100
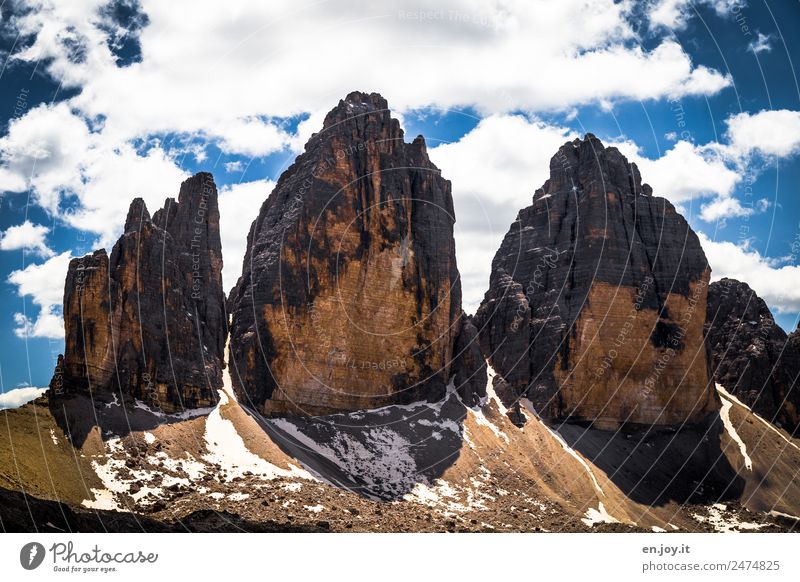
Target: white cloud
x,y
43,283
761,44
238,208
494,170
496,167
236,166
26,236
223,90
52,151
111,179
778,285
768,133
684,172
19,396
727,207
43,151
675,14
250,48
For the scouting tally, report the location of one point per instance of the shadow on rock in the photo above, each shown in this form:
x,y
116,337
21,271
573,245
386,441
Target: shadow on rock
x,y
382,454
78,415
21,513
655,466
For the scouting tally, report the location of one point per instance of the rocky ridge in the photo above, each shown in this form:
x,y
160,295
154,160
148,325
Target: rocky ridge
x,y
148,322
597,299
350,296
750,355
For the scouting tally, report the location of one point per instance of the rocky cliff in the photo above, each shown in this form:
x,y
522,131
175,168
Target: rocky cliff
x,y
149,322
349,296
750,355
597,299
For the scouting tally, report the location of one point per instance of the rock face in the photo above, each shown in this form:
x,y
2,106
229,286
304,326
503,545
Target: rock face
x,y
597,299
750,355
149,322
349,296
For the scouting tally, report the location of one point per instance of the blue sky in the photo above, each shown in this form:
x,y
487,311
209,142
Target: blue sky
x,y
104,101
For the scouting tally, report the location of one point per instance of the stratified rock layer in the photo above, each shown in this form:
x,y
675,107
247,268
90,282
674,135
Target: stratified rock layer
x,y
149,322
597,299
750,355
349,296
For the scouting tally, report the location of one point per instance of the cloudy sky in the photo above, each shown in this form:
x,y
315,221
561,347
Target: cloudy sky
x,y
104,101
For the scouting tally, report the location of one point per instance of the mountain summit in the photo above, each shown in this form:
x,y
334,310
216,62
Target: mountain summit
x,y
149,322
597,299
350,296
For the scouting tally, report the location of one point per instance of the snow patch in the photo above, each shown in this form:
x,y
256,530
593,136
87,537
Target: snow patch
x,y
599,515
115,401
185,415
227,449
490,393
382,461
725,415
733,398
723,523
103,499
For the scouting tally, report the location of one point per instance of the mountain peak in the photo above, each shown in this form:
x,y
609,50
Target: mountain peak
x,y
359,105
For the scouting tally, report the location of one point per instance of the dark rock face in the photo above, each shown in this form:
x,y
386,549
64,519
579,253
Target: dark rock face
x,y
597,299
349,296
149,322
469,366
750,355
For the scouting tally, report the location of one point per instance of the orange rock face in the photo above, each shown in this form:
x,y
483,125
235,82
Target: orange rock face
x,y
149,322
597,300
349,297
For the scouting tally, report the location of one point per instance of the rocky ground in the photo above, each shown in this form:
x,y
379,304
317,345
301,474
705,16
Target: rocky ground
x,y
118,466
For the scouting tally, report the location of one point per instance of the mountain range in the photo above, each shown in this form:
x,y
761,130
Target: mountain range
x,y
604,383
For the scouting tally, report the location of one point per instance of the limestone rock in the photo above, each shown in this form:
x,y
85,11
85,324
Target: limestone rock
x,y
349,296
469,366
750,355
597,299
149,322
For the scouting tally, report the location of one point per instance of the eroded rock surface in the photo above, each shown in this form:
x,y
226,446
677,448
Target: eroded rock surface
x,y
349,296
750,355
149,321
597,299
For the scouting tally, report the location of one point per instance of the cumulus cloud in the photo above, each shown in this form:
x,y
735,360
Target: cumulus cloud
x,y
768,133
494,169
26,236
778,285
684,172
728,207
43,151
249,48
41,282
711,172
253,71
53,152
676,14
238,207
19,396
